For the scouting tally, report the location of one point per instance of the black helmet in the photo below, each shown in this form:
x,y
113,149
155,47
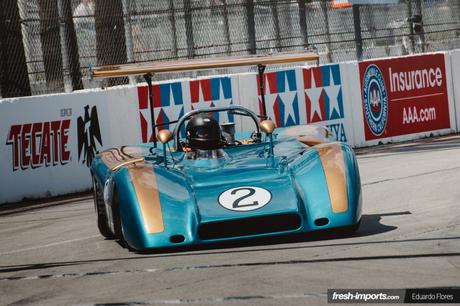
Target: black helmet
x,y
203,133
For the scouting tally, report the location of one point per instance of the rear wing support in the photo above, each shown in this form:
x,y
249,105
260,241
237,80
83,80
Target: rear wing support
x,y
261,69
148,79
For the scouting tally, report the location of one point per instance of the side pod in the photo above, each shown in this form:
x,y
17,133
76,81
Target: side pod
x,y
327,180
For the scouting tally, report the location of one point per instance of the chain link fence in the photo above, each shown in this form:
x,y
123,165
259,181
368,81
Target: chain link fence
x,y
49,46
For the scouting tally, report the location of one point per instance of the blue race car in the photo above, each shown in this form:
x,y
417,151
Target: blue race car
x,y
205,183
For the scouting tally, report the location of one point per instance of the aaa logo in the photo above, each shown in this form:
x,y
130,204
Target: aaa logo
x,y
375,100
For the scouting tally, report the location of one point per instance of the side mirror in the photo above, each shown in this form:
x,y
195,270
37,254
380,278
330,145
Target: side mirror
x,y
164,136
267,126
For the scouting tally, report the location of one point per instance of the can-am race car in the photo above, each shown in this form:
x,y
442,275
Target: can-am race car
x,y
205,183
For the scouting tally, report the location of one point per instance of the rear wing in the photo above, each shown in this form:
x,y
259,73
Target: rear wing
x,y
148,69
200,64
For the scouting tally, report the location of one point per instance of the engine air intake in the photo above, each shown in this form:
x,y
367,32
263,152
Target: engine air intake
x,y
249,226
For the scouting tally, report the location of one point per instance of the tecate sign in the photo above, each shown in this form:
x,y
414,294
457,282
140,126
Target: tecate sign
x,y
39,144
404,95
48,143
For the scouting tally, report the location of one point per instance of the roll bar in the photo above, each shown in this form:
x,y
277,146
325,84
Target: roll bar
x,y
230,108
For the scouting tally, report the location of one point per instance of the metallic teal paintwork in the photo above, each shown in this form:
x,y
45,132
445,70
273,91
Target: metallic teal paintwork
x,y
189,189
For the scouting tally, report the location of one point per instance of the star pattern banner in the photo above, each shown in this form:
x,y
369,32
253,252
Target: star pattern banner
x,y
173,100
305,96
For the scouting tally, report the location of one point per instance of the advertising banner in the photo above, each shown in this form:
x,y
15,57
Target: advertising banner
x,y
281,97
307,96
324,100
168,104
403,96
49,142
173,100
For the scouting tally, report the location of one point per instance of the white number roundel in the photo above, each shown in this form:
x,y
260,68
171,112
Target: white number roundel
x,y
245,198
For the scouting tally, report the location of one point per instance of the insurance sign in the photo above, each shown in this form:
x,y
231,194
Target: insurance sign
x,y
402,96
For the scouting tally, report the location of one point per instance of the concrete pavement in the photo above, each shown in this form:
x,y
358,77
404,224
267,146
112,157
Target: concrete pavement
x,y
410,237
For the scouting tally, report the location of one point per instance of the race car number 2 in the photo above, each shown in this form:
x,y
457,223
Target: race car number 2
x,y
245,198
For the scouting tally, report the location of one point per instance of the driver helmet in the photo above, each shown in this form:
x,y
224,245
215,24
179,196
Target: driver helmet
x,y
203,133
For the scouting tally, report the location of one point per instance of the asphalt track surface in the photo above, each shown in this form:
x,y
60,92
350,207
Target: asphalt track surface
x,y
409,237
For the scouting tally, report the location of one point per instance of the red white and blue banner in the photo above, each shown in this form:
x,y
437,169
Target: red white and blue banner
x,y
306,96
168,104
215,92
281,97
172,100
292,97
324,99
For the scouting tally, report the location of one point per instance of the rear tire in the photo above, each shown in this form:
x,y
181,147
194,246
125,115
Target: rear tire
x,y
102,222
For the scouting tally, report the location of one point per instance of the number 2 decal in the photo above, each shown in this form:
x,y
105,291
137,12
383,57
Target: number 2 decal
x,y
237,203
245,198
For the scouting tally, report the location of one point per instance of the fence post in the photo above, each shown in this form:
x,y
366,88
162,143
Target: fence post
x,y
419,11
64,48
458,17
251,26
276,21
110,36
226,27
411,29
189,29
172,19
358,38
13,70
129,36
328,34
26,38
303,22
71,45
51,45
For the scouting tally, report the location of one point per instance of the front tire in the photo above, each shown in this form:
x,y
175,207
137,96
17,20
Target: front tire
x,y
118,227
102,223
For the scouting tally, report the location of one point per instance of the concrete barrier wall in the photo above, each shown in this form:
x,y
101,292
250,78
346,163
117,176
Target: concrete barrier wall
x,y
49,141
